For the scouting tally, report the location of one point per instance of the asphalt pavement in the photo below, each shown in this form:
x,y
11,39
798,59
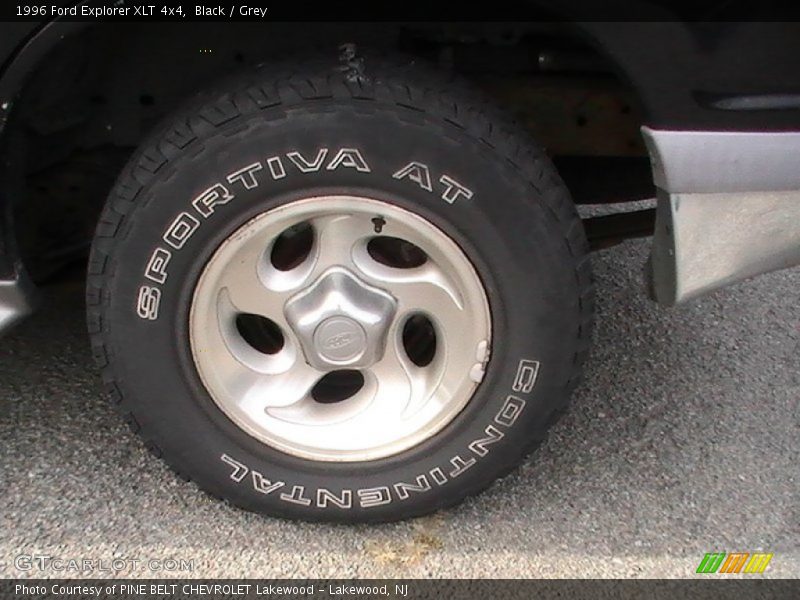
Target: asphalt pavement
x,y
682,440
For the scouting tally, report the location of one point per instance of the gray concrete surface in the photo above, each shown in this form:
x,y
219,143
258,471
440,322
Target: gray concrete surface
x,y
683,439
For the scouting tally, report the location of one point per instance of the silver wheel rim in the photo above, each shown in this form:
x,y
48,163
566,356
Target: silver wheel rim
x,y
341,310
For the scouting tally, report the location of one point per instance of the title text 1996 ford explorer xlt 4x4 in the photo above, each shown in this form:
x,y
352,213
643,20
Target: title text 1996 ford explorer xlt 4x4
x,y
341,275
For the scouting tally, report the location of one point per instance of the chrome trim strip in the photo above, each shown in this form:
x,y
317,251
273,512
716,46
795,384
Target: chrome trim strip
x,y
724,161
758,102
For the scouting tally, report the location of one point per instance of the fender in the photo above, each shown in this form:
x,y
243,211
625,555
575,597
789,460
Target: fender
x,y
21,50
689,77
22,46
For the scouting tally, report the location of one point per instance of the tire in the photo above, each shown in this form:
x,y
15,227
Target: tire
x,y
487,189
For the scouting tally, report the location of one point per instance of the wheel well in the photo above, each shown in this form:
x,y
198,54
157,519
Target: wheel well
x,y
91,101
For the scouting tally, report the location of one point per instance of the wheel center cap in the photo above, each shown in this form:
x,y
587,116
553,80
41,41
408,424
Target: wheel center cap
x,y
340,340
341,321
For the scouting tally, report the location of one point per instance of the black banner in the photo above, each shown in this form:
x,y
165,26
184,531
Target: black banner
x,y
412,10
412,589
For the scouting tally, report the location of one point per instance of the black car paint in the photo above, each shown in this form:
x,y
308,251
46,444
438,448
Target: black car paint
x,y
688,75
680,70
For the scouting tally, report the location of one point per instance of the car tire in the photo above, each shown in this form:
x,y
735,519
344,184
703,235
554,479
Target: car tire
x,y
267,160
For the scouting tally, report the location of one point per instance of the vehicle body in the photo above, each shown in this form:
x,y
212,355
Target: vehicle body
x,y
722,126
717,105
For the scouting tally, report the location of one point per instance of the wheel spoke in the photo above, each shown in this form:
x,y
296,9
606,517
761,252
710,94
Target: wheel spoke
x,y
422,290
244,288
310,413
335,238
279,390
402,387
